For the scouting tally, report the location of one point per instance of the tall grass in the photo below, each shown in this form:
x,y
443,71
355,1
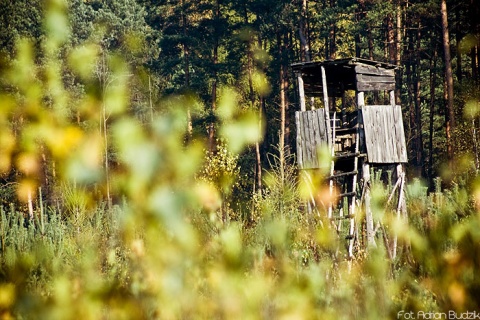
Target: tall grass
x,y
164,248
280,267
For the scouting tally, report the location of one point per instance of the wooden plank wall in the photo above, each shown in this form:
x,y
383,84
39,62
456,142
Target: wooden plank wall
x,y
311,134
384,134
372,78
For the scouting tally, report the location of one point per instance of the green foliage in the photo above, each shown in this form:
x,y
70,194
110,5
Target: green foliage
x,y
129,232
221,171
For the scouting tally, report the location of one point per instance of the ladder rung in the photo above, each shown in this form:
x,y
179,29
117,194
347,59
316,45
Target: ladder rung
x,y
343,131
350,155
347,194
349,216
343,174
346,155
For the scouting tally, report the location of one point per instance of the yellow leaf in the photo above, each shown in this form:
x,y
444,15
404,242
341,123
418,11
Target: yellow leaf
x,y
7,295
27,163
63,141
208,196
26,190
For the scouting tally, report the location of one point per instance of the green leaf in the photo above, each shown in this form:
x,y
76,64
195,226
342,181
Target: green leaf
x,y
227,104
241,132
83,59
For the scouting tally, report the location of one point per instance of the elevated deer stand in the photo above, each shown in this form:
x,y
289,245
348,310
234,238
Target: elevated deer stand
x,y
362,138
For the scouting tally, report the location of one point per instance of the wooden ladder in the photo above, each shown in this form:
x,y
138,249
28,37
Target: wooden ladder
x,y
347,178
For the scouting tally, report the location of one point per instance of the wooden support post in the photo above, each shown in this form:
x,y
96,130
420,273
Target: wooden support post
x,y
392,98
312,103
326,106
401,206
353,202
301,91
360,106
368,210
360,100
330,138
366,168
344,111
299,140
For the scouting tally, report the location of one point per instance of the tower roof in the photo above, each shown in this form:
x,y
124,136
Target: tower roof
x,y
346,74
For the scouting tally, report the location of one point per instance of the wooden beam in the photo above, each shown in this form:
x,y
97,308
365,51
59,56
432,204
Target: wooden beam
x,y
344,106
301,91
392,98
331,139
361,132
368,208
366,69
401,206
325,103
375,86
375,78
360,100
299,141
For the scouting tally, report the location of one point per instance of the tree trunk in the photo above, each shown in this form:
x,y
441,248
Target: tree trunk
x,y
358,39
370,42
211,131
332,36
250,67
477,61
474,62
285,65
450,125
458,37
282,76
418,112
103,77
186,62
398,58
410,103
303,34
392,55
433,82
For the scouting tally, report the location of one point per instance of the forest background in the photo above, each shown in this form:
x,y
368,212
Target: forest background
x,y
148,170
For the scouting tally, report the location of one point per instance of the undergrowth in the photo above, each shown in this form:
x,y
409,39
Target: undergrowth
x,y
142,225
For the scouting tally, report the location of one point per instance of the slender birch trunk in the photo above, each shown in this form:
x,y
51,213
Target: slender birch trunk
x,y
450,125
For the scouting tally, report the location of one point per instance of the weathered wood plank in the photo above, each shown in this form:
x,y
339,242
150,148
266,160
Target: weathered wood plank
x,y
313,153
311,147
384,135
379,135
387,126
299,140
311,134
400,133
391,143
373,86
317,137
366,69
322,125
374,78
306,139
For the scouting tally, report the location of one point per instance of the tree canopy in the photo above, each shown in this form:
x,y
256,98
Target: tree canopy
x,y
148,170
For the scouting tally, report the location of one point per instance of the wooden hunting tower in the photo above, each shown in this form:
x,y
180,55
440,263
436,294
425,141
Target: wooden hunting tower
x,y
360,136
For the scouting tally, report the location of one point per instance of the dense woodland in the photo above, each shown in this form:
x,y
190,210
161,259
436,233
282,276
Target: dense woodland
x,y
147,160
